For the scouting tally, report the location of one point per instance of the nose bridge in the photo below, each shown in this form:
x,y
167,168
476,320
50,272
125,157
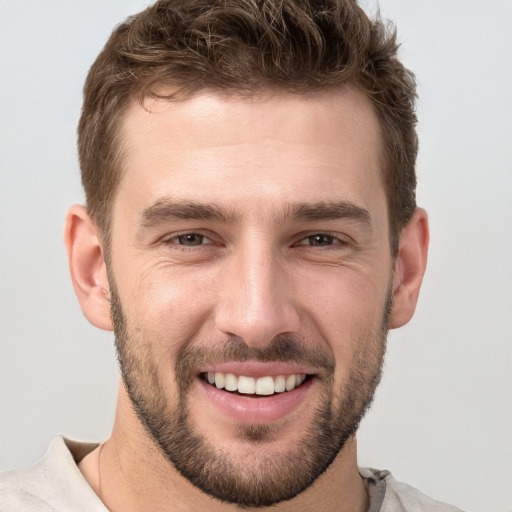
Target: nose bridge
x,y
255,304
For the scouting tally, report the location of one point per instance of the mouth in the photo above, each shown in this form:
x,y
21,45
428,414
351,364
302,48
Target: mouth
x,y
256,387
252,392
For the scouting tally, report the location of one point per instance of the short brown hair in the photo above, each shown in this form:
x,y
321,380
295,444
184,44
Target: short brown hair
x,y
243,46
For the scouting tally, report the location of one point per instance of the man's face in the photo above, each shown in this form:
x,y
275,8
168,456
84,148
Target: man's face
x,y
250,250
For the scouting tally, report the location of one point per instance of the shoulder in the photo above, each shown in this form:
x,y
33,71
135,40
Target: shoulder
x,y
26,489
400,497
52,484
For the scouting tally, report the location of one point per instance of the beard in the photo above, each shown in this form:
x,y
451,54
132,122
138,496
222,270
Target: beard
x,y
270,476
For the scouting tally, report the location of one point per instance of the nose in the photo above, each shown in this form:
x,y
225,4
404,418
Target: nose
x,y
256,302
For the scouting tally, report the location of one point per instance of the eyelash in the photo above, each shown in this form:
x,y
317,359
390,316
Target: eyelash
x,y
173,240
335,240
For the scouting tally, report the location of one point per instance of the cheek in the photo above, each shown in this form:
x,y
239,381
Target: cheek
x,y
168,304
347,312
344,298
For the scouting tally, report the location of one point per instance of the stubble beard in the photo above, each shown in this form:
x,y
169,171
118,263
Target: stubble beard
x,y
272,476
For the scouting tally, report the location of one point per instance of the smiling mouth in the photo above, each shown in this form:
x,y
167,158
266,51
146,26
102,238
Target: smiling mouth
x,y
262,386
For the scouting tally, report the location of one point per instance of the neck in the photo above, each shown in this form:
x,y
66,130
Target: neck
x,y
129,472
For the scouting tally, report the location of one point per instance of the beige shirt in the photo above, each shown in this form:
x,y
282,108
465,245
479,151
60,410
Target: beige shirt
x,y
55,484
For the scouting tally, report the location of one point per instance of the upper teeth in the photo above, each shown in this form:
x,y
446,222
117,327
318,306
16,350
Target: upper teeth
x,y
250,386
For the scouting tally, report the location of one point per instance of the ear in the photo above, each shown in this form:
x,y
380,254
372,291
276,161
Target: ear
x,y
409,268
87,267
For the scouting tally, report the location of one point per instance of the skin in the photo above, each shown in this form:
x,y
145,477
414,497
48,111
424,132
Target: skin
x,y
255,276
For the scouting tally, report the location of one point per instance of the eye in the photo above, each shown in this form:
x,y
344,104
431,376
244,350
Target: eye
x,y
320,240
190,239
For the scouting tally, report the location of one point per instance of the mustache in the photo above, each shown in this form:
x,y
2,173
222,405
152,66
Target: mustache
x,y
282,348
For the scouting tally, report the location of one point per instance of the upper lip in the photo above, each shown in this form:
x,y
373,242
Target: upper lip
x,y
257,369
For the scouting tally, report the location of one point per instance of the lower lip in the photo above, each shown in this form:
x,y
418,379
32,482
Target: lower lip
x,y
250,410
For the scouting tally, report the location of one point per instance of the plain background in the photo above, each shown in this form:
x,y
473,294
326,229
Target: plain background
x,y
442,419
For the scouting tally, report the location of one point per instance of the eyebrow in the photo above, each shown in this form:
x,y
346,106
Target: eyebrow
x,y
167,210
310,212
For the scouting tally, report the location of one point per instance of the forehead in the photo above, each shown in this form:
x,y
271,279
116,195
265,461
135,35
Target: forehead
x,y
251,151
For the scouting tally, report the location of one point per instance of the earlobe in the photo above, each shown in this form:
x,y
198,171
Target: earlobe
x,y
87,267
409,268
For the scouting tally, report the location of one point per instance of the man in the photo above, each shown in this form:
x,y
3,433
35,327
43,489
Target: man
x,y
250,235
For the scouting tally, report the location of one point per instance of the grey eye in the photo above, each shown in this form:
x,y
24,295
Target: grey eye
x,y
320,240
190,239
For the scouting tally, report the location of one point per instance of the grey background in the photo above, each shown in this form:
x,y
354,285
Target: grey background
x,y
443,415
